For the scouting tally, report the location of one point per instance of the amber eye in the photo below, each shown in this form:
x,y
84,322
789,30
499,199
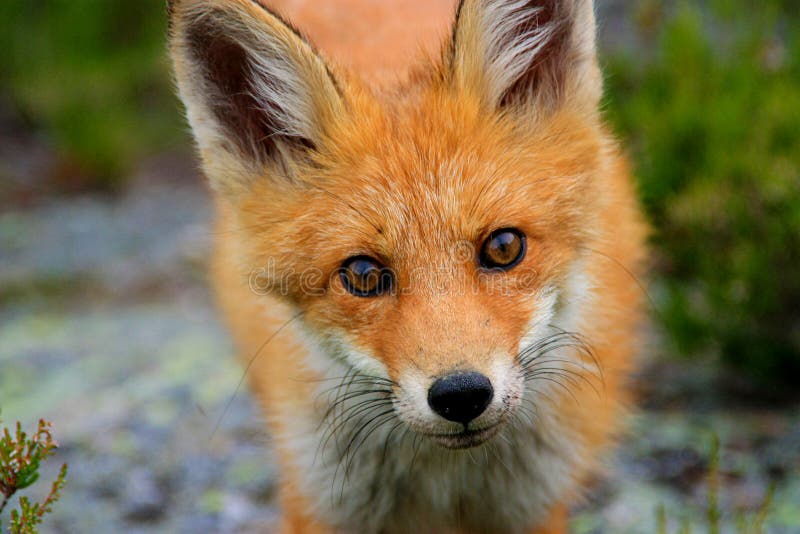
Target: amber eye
x,y
503,249
365,277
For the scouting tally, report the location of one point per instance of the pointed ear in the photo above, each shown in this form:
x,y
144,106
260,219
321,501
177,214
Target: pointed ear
x,y
257,96
527,52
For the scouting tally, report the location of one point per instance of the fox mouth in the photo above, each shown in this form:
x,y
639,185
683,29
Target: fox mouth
x,y
467,438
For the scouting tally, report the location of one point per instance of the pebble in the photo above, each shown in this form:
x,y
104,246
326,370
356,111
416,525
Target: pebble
x,y
144,499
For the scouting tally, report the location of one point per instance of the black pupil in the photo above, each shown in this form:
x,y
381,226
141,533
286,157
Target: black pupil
x,y
364,271
364,277
503,249
505,245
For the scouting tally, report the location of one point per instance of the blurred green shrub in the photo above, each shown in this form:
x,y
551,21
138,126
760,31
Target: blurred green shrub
x,y
714,124
93,75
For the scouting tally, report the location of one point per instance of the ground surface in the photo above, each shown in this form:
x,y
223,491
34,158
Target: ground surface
x,y
107,329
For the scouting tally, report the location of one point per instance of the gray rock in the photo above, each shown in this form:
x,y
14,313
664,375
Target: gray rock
x,y
144,499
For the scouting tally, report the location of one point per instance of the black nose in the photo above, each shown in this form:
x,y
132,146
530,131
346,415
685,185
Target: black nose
x,y
460,397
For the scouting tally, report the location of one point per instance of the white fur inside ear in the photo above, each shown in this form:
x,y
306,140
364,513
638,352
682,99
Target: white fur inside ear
x,y
256,93
513,38
280,90
277,82
539,52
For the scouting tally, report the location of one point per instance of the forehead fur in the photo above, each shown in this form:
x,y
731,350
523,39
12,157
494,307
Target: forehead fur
x,y
431,168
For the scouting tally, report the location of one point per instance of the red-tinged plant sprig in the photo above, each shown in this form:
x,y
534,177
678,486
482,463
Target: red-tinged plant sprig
x,y
20,459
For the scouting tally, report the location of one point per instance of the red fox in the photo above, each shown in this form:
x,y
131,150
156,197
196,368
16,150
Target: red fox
x,y
428,266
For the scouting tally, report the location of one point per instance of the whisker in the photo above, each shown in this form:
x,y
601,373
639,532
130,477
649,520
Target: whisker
x,y
345,405
529,412
587,350
539,363
377,421
361,376
363,408
569,374
642,287
353,395
247,370
550,346
571,380
538,392
387,441
417,442
561,385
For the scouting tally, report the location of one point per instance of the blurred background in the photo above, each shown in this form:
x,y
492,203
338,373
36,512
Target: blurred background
x,y
108,330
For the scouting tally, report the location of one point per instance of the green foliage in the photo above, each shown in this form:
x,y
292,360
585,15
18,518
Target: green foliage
x,y
715,130
94,76
713,513
21,457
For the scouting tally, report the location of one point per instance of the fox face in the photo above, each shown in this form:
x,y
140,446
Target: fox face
x,y
456,255
432,259
432,237
431,266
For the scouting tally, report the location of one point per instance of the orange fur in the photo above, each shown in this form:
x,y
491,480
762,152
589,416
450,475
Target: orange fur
x,y
374,39
407,174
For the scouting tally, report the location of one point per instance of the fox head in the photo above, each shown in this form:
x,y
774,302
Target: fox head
x,y
429,236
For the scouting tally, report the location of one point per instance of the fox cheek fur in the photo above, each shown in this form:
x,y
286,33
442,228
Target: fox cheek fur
x,y
369,393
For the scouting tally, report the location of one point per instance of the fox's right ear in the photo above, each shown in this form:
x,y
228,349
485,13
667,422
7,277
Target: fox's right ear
x,y
257,96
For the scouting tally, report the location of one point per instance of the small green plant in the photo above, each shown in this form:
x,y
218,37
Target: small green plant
x,y
713,513
21,457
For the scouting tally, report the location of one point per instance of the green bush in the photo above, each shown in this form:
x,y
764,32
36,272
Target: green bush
x,y
714,122
94,76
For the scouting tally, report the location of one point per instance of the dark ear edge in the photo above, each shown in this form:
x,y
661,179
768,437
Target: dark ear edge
x,y
253,85
253,125
547,72
170,8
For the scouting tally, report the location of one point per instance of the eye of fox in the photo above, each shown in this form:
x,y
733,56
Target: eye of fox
x,y
365,277
503,249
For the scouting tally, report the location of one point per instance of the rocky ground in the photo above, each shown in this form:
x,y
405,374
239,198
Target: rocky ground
x,y
108,330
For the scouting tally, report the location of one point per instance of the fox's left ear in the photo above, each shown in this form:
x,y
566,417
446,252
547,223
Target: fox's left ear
x,y
538,53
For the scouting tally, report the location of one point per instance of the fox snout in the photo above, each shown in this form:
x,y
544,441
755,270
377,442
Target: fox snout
x,y
461,397
459,404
